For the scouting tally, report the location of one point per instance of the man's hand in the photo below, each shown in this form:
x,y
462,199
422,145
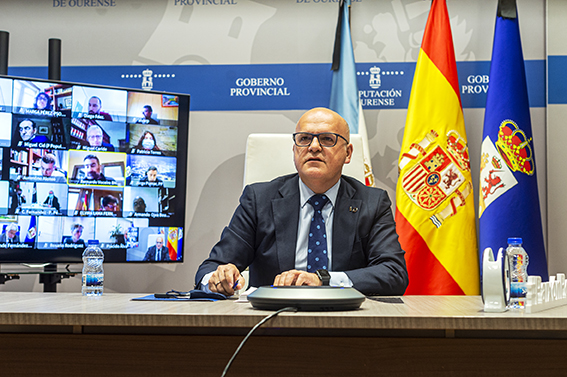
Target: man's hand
x,y
295,277
223,279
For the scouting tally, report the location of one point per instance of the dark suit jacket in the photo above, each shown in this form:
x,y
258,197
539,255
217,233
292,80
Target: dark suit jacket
x,y
55,203
151,254
263,235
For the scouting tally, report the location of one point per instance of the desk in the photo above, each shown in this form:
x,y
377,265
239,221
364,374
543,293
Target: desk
x,y
45,333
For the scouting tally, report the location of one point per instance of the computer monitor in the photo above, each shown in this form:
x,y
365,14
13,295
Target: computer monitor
x,y
82,162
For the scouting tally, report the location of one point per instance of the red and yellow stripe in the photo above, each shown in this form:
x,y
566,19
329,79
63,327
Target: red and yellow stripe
x,y
440,260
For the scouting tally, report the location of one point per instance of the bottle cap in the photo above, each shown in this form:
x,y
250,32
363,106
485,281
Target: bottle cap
x,y
515,240
93,242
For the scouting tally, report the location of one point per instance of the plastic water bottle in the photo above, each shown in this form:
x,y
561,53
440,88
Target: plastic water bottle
x,y
518,273
93,274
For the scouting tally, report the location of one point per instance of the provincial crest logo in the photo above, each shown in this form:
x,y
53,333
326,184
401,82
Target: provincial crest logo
x,y
147,83
375,81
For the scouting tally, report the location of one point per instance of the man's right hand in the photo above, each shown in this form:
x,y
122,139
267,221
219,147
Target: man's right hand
x,y
223,279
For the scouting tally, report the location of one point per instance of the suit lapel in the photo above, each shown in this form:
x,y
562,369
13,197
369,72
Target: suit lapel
x,y
344,226
286,217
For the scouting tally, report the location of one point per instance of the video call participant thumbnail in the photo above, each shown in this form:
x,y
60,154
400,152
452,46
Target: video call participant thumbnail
x,y
151,171
48,168
110,204
27,130
93,170
157,140
147,113
103,168
95,108
21,233
76,233
10,234
39,132
142,202
159,252
95,140
147,143
151,178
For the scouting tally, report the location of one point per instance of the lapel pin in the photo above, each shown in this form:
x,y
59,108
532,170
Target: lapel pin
x,y
353,209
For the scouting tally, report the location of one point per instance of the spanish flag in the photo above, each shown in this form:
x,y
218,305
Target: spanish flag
x,y
172,238
435,216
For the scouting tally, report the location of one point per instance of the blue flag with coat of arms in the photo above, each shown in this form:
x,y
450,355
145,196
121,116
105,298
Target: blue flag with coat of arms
x,y
508,198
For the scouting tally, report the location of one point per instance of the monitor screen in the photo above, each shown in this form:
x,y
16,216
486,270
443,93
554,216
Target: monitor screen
x,y
81,162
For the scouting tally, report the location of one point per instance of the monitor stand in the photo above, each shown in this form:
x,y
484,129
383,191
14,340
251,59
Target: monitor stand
x,y
50,277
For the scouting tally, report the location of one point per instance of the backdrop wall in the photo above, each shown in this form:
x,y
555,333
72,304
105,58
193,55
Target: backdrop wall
x,y
213,49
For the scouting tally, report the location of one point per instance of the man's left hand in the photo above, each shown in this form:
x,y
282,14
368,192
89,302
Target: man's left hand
x,y
295,277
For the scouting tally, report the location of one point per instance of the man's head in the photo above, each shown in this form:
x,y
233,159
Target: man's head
x,y
94,136
147,111
27,129
92,166
11,231
139,204
318,163
151,173
47,164
76,232
109,203
94,105
159,242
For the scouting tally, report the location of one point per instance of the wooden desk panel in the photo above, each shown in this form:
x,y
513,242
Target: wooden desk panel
x,y
47,333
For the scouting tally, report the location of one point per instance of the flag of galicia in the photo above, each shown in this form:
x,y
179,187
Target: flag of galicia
x,y
508,199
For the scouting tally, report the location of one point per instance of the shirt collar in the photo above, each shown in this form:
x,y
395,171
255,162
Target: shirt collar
x,y
305,193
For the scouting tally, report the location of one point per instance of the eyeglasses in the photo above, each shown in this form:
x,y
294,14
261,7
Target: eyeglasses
x,y
326,139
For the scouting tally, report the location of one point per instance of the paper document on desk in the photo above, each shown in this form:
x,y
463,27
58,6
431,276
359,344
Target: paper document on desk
x,y
244,296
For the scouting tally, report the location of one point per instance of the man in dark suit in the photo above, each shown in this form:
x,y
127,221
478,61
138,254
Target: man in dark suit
x,y
10,234
270,230
158,252
52,201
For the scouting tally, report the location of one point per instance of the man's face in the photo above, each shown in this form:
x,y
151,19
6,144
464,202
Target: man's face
x,y
159,243
152,175
147,113
92,168
94,106
47,169
94,137
26,130
11,233
320,167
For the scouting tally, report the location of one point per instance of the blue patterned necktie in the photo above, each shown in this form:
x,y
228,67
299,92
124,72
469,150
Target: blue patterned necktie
x,y
317,246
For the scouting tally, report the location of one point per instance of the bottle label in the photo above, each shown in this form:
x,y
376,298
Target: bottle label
x,y
90,280
518,289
